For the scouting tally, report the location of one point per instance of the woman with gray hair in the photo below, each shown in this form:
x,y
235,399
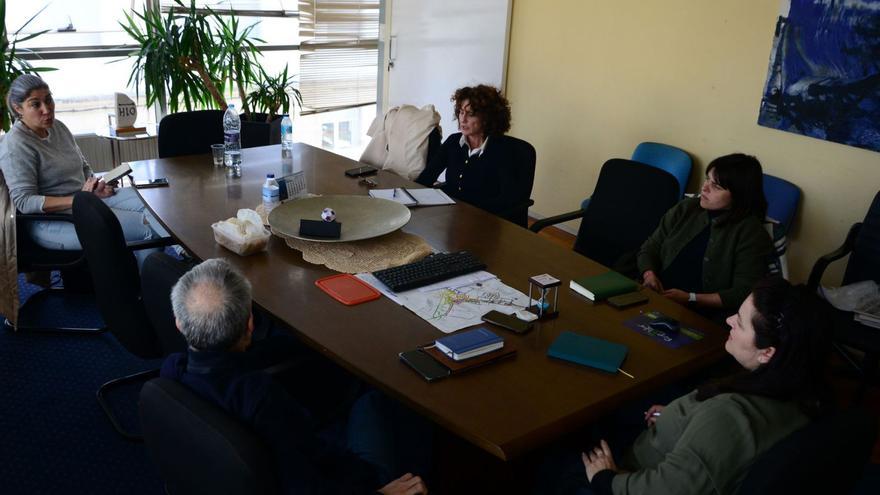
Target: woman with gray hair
x,y
44,167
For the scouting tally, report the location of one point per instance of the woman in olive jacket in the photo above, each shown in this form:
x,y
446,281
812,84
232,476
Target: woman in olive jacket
x,y
710,250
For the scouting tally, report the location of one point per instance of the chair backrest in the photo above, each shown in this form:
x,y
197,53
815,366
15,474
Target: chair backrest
x,y
864,262
190,133
665,157
826,456
198,447
782,201
625,208
524,167
114,275
159,273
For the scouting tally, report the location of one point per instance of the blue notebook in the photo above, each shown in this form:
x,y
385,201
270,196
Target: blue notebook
x,y
588,351
465,342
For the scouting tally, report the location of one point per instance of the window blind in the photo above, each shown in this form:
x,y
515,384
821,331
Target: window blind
x,y
339,54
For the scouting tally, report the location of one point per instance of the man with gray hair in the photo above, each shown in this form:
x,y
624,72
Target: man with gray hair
x,y
212,309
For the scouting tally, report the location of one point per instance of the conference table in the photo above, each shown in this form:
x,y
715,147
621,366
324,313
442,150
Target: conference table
x,y
507,408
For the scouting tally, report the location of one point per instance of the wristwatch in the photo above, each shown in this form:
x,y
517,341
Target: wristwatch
x,y
692,297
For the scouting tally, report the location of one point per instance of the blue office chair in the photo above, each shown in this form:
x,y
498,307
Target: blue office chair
x,y
782,202
665,157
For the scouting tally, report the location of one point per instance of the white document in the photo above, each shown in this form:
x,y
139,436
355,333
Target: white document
x,y
414,197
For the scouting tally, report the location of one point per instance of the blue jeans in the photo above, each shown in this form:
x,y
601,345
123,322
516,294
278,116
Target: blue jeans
x,y
137,222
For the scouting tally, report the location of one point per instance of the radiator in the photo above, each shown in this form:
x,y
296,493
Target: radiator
x,y
104,153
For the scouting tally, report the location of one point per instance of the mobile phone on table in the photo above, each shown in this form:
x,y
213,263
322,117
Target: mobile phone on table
x,y
628,299
509,322
424,364
361,171
158,182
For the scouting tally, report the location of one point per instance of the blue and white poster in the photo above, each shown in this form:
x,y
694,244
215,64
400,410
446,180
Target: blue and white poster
x,y
824,75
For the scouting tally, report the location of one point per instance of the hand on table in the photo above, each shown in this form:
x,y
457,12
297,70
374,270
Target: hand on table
x,y
677,295
598,459
651,281
405,485
652,413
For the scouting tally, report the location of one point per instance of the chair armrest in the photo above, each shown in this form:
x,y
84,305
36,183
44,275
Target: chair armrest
x,y
44,217
823,262
564,217
150,243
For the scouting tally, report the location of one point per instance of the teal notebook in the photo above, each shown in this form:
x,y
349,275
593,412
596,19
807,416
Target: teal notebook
x,y
588,351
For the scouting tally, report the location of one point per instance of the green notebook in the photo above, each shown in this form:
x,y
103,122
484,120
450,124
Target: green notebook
x,y
600,287
588,351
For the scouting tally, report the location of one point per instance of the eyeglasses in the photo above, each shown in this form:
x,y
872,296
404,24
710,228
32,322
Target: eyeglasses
x,y
368,182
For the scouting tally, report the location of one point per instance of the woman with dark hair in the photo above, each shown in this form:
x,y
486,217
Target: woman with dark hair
x,y
44,167
481,162
710,250
705,441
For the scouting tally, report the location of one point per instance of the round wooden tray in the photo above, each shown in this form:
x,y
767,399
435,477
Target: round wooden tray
x,y
362,217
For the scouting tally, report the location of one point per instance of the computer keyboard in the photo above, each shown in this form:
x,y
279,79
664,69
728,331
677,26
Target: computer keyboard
x,y
434,268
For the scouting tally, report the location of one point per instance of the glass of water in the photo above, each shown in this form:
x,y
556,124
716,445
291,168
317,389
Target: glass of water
x,y
232,159
217,151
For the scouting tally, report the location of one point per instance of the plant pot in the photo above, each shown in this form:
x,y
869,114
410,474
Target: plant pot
x,y
258,132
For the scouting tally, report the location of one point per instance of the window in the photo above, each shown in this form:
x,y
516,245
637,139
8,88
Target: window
x,y
337,74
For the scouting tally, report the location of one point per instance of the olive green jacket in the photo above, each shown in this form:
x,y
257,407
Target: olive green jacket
x,y
736,256
705,447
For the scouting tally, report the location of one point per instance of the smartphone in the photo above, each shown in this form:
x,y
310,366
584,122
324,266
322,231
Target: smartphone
x,y
509,322
628,299
425,365
159,182
361,171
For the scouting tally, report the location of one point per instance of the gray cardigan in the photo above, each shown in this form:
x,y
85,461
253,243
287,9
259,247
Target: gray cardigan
x,y
37,167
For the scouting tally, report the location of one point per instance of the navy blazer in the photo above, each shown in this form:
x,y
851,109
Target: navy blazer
x,y
499,181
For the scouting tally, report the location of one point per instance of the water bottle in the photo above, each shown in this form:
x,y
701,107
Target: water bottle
x,y
232,140
271,198
286,137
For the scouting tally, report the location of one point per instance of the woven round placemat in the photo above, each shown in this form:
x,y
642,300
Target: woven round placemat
x,y
369,255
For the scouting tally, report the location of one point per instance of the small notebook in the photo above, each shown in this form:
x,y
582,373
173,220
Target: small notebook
x,y
474,362
588,351
464,345
600,287
117,173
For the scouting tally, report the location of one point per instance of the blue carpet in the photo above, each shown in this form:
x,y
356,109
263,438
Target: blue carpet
x,y
54,437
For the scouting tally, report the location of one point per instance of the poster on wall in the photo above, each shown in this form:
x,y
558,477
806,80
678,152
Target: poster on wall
x,y
823,79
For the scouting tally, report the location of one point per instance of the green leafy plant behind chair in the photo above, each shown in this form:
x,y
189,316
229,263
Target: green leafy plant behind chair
x,y
271,95
12,64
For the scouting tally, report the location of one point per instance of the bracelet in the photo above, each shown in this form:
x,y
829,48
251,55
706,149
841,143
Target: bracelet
x,y
692,297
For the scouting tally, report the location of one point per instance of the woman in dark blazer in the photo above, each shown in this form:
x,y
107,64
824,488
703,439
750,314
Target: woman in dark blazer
x,y
483,166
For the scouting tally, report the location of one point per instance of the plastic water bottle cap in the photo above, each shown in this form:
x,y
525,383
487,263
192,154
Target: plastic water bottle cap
x,y
231,105
270,176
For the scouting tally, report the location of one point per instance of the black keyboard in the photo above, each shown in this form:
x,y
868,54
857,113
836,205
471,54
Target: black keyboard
x,y
434,268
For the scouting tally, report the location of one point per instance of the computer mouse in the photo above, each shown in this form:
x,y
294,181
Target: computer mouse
x,y
667,325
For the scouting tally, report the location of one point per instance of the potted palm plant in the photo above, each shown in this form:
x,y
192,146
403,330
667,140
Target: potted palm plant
x,y
183,57
269,99
11,63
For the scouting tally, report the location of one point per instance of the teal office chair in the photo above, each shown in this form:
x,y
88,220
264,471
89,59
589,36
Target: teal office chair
x,y
782,202
665,157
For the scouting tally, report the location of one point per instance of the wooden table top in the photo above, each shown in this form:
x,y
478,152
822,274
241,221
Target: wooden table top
x,y
507,408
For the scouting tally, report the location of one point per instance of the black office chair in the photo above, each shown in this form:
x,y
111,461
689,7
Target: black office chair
x,y
524,167
826,456
190,133
198,447
862,244
624,209
117,286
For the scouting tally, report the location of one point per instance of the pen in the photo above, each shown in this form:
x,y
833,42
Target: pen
x,y
394,193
